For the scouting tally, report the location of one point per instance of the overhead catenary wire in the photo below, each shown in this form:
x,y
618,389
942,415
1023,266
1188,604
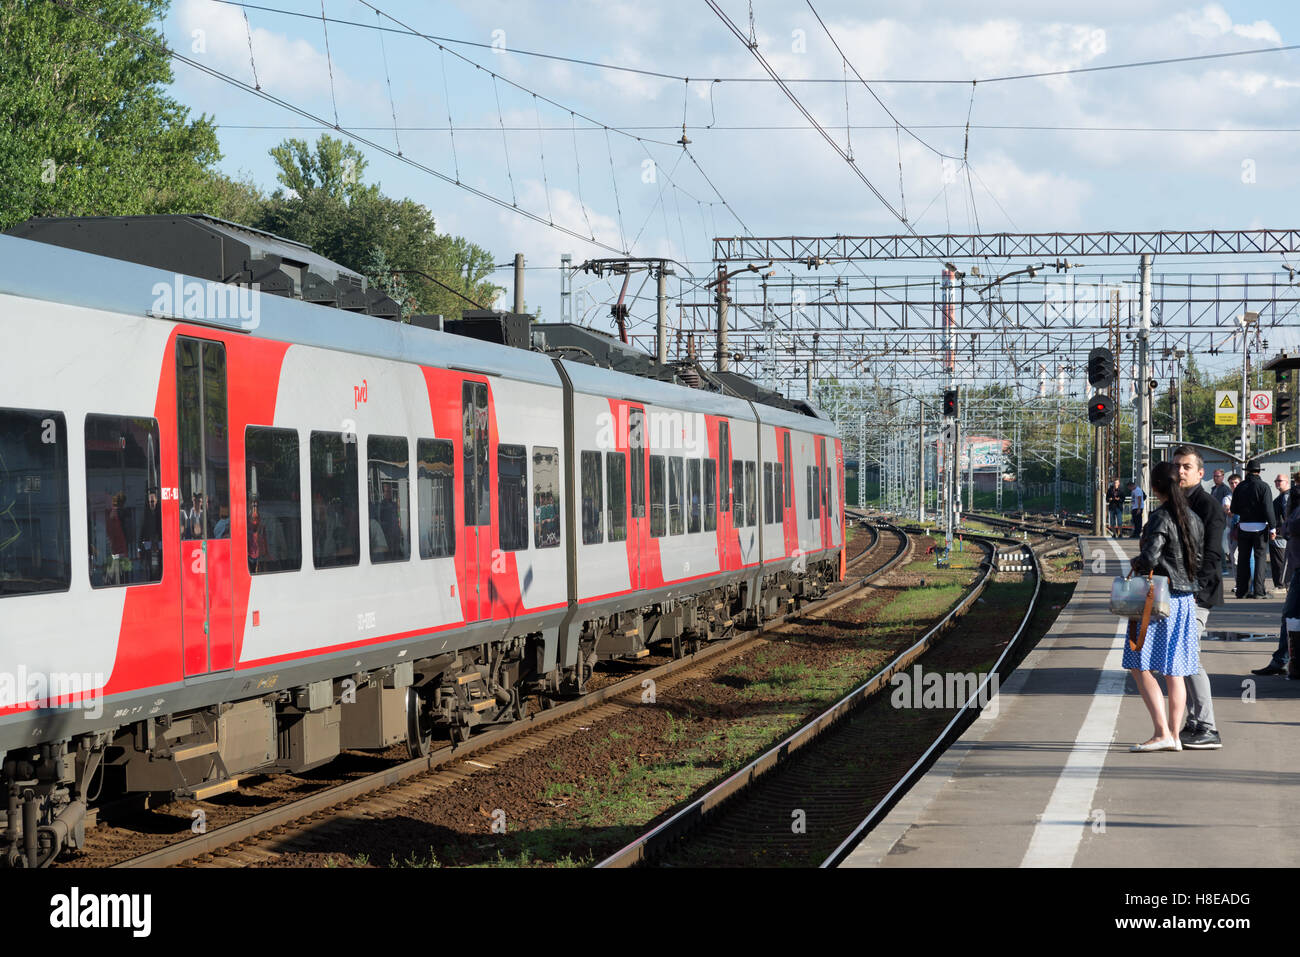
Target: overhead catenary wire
x,y
1135,64
128,34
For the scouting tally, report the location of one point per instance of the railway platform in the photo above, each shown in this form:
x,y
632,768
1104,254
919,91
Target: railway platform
x,y
1048,780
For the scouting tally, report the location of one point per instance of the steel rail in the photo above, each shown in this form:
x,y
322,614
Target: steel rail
x,y
247,828
670,830
945,739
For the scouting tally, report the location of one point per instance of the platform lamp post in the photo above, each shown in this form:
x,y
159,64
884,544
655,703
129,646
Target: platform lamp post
x,y
1246,320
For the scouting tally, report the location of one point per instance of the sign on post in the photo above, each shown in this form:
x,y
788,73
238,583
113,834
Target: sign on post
x,y
1261,408
1225,408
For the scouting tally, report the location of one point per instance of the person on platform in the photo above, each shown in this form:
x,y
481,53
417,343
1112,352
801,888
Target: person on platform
x,y
1201,733
1135,507
1115,508
1230,549
1170,546
1277,547
1220,490
1252,503
1289,635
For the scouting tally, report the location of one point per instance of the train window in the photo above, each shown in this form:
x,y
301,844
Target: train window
x,y
591,505
789,470
692,496
826,488
436,480
335,518
710,495
767,493
636,443
617,493
35,537
388,485
474,428
738,493
546,497
724,470
778,486
809,485
658,518
751,494
122,501
816,491
512,496
676,526
201,434
274,500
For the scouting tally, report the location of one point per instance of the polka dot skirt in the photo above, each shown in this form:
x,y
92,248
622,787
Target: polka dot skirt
x,y
1172,646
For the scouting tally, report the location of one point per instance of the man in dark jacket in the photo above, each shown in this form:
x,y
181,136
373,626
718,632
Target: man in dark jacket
x,y
1200,733
1252,502
1277,547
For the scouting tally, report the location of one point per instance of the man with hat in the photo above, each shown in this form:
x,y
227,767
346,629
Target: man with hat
x,y
1252,503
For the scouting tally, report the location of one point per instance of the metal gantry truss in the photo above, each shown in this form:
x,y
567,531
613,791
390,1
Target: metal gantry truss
x,y
852,327
818,250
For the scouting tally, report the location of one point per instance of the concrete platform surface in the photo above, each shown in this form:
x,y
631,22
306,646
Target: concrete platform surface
x,y
1048,781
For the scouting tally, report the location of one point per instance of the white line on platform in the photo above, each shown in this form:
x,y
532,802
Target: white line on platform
x,y
1059,831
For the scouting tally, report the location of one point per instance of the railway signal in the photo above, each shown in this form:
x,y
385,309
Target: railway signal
x,y
950,402
1101,367
1101,410
1283,409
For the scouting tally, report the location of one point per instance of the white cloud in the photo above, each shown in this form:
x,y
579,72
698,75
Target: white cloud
x,y
287,66
1212,21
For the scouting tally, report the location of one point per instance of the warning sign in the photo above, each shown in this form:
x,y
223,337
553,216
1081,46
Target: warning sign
x,y
1261,408
1225,408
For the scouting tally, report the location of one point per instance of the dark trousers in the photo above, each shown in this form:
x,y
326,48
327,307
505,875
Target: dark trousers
x,y
1137,523
1248,542
1290,609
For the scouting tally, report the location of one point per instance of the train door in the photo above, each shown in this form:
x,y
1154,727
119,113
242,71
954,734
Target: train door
x,y
726,497
478,500
207,582
639,525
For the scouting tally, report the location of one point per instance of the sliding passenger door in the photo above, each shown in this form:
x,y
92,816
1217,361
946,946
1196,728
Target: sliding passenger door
x,y
477,489
639,523
207,584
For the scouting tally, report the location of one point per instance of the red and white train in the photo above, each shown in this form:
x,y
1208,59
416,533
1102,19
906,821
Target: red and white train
x,y
242,530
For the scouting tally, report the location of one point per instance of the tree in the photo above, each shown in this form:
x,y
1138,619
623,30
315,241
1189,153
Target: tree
x,y
87,128
323,202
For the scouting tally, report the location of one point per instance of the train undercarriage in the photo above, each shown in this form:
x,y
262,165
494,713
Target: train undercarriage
x,y
51,788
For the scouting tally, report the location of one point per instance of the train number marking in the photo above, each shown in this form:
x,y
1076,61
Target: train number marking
x,y
365,621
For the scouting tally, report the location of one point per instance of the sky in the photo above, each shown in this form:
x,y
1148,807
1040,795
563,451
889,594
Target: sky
x,y
1184,145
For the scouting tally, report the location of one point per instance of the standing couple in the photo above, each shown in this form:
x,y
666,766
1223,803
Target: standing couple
x,y
1183,542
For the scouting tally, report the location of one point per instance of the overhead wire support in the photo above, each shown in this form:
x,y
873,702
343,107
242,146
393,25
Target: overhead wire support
x,y
248,31
330,62
505,144
392,103
451,128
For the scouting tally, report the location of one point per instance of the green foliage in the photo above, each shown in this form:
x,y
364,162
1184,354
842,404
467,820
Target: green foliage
x,y
87,128
324,203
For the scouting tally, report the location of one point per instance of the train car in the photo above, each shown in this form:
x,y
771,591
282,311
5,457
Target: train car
x,y
308,527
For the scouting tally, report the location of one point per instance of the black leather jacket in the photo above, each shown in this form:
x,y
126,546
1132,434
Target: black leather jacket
x,y
1162,550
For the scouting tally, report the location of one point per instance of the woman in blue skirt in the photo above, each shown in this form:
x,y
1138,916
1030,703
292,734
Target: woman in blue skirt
x,y
1171,546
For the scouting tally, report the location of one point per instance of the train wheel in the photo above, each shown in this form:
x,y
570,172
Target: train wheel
x,y
419,727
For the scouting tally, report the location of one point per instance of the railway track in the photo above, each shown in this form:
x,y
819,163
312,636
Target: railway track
x,y
803,801
253,839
